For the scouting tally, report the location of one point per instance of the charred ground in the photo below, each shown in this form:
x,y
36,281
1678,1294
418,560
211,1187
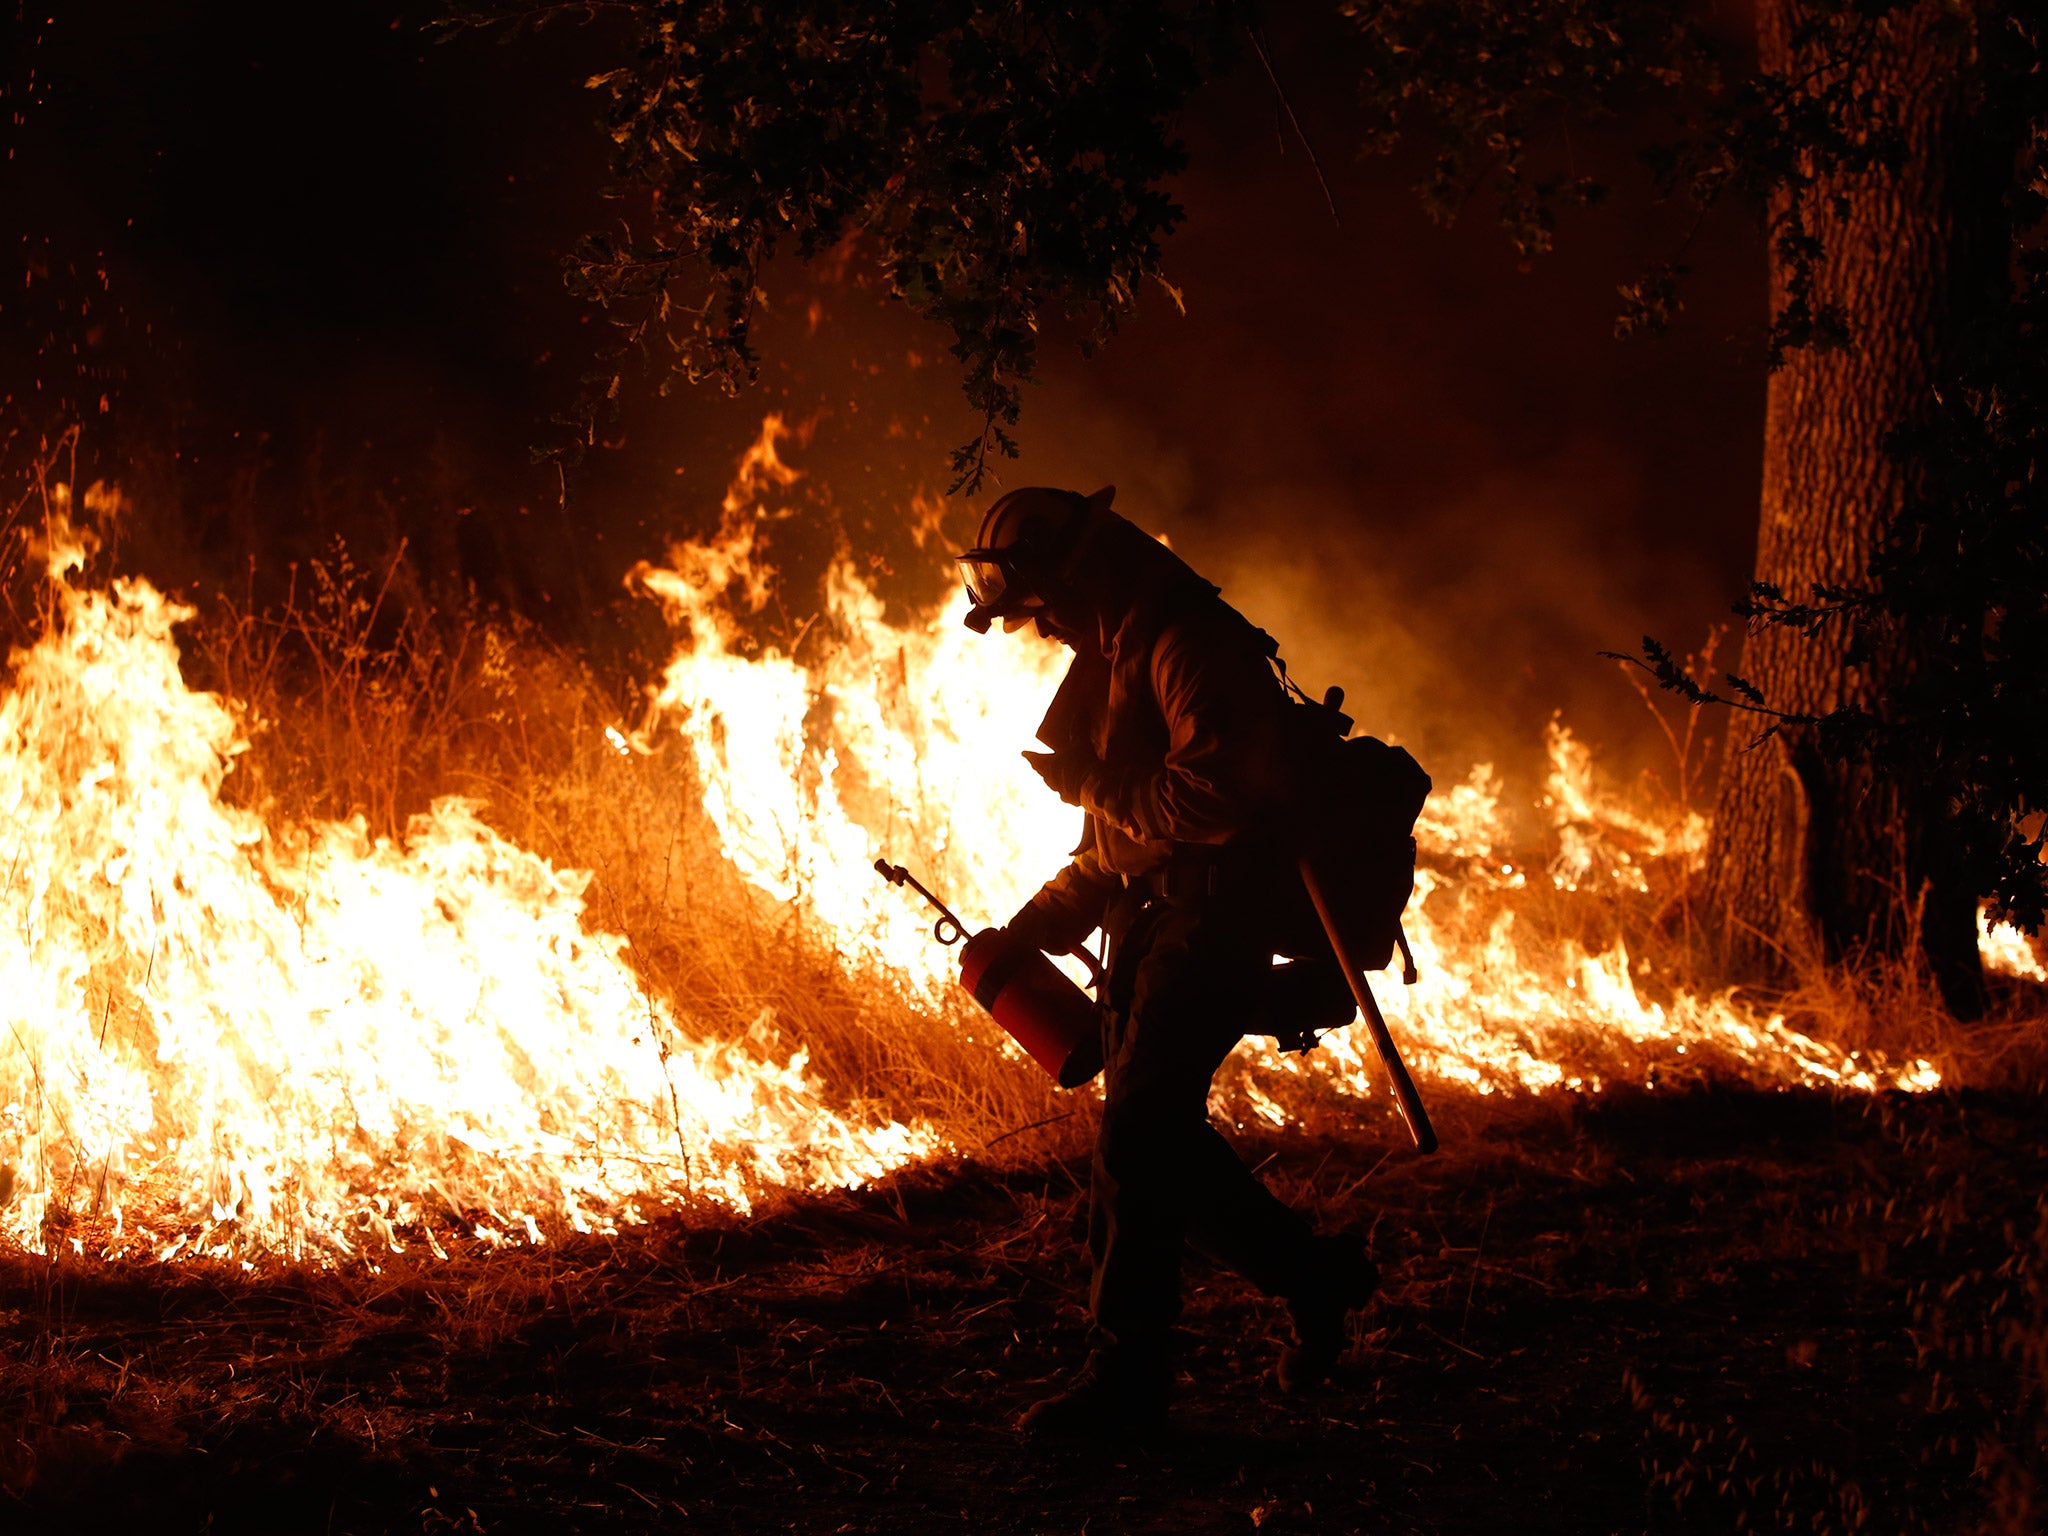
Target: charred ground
x,y
1697,1311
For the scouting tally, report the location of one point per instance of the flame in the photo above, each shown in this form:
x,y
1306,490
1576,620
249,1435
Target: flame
x,y
231,1035
1586,822
2006,950
236,1034
900,738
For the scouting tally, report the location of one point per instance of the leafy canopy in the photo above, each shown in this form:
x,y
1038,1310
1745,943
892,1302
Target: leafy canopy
x,y
993,162
997,163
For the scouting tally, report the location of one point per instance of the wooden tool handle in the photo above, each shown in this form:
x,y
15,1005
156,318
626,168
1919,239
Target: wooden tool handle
x,y
1404,1086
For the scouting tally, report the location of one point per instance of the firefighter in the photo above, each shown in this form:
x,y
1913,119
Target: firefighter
x,y
1170,731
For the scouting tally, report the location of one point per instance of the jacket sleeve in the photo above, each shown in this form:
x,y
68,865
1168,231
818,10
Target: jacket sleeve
x,y
1069,906
1223,768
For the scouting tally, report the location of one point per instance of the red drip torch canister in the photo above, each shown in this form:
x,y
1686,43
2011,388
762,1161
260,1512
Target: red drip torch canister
x,y
1034,1000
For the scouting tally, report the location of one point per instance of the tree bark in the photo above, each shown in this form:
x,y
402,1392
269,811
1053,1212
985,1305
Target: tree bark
x,y
1809,854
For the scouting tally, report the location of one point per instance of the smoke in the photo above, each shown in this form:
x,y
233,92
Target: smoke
x,y
1459,597
1439,481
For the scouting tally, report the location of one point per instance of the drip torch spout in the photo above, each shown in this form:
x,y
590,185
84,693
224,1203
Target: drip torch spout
x,y
948,929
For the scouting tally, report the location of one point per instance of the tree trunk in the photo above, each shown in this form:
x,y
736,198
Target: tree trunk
x,y
1808,853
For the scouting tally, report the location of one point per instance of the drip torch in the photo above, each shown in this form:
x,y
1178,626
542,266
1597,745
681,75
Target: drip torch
x,y
1021,989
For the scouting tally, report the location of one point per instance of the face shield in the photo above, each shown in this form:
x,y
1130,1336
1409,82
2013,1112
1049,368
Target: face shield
x,y
989,575
995,586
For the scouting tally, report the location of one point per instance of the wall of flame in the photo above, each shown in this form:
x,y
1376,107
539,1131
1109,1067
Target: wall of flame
x,y
231,1035
237,1034
901,738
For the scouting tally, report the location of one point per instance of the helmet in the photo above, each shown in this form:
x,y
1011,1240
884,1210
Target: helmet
x,y
1027,544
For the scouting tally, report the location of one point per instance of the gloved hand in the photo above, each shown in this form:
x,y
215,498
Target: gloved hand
x,y
1044,933
1064,772
1032,926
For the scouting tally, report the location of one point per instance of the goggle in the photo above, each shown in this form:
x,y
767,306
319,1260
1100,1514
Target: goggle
x,y
991,576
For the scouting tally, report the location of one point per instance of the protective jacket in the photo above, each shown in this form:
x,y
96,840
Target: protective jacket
x,y
1172,701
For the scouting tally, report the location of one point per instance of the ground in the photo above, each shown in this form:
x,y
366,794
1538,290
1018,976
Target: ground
x,y
1642,1312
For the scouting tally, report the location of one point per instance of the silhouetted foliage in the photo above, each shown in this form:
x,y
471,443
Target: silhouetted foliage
x,y
994,165
1500,84
992,162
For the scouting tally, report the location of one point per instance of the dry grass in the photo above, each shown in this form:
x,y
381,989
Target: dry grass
x,y
356,710
358,705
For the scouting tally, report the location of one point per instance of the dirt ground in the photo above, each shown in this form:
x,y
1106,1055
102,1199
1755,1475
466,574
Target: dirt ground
x,y
1708,1311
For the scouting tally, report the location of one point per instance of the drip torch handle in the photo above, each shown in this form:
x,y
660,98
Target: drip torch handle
x,y
948,929
1086,956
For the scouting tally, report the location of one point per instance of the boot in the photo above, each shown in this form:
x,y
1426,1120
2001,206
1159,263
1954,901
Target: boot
x,y
1345,1280
1120,1394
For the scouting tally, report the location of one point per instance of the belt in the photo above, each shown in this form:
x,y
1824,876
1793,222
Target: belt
x,y
1194,872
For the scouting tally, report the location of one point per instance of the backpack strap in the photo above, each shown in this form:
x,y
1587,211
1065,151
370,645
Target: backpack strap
x,y
1332,699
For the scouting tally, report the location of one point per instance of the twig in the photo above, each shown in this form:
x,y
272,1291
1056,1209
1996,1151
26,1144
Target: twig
x,y
1477,1254
1287,106
1034,1125
1360,1182
1444,1338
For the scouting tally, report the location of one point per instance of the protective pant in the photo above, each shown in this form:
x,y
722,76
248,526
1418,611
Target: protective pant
x,y
1185,983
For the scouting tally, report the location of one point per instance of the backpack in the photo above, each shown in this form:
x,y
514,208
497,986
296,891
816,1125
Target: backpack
x,y
1354,803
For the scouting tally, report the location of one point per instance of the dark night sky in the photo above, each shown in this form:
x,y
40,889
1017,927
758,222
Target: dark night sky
x,y
331,254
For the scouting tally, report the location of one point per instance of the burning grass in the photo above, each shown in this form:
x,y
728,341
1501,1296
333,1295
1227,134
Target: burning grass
x,y
409,935
254,1032
1691,1257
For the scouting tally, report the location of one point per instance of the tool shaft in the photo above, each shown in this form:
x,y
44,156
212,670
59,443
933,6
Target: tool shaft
x,y
1405,1096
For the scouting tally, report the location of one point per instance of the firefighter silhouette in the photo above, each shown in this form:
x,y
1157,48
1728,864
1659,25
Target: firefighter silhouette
x,y
1170,732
